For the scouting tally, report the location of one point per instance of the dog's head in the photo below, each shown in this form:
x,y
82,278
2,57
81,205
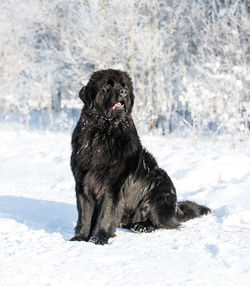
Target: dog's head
x,y
109,93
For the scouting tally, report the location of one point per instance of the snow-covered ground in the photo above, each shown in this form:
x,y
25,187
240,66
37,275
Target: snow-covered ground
x,y
38,214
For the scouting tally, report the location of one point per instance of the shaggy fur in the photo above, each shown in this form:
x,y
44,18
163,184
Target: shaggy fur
x,y
118,183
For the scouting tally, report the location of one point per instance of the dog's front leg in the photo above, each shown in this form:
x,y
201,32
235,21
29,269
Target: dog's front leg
x,y
85,207
108,217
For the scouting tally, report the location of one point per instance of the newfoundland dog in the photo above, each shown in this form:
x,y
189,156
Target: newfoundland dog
x,y
118,183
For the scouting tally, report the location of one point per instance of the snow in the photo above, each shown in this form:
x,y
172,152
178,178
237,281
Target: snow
x,y
38,214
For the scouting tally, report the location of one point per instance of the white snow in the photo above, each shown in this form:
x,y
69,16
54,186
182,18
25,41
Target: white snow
x,y
38,214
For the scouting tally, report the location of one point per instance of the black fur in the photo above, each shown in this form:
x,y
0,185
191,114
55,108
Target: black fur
x,y
118,183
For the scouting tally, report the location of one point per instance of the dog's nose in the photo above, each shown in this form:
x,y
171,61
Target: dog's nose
x,y
123,92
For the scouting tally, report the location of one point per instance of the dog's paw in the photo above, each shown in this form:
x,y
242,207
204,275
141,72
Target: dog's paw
x,y
78,237
101,238
142,227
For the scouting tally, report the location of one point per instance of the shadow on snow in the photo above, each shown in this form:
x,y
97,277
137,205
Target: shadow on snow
x,y
40,214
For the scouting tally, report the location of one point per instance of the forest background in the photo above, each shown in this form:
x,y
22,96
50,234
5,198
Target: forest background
x,y
189,60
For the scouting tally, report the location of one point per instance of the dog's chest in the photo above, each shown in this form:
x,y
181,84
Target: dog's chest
x,y
109,148
104,148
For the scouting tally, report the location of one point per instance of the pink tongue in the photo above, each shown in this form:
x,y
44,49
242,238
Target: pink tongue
x,y
116,105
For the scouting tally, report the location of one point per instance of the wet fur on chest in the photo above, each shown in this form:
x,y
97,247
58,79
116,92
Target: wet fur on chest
x,y
102,151
105,144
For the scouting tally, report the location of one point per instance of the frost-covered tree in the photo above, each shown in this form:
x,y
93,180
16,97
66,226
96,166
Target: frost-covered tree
x,y
189,59
216,79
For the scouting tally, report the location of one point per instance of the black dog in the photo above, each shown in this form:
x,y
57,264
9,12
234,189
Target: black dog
x,y
118,183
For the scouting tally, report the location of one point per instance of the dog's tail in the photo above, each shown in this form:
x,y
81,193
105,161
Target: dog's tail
x,y
187,210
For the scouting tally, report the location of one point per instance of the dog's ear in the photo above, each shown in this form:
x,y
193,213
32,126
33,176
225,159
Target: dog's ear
x,y
131,88
132,98
85,96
